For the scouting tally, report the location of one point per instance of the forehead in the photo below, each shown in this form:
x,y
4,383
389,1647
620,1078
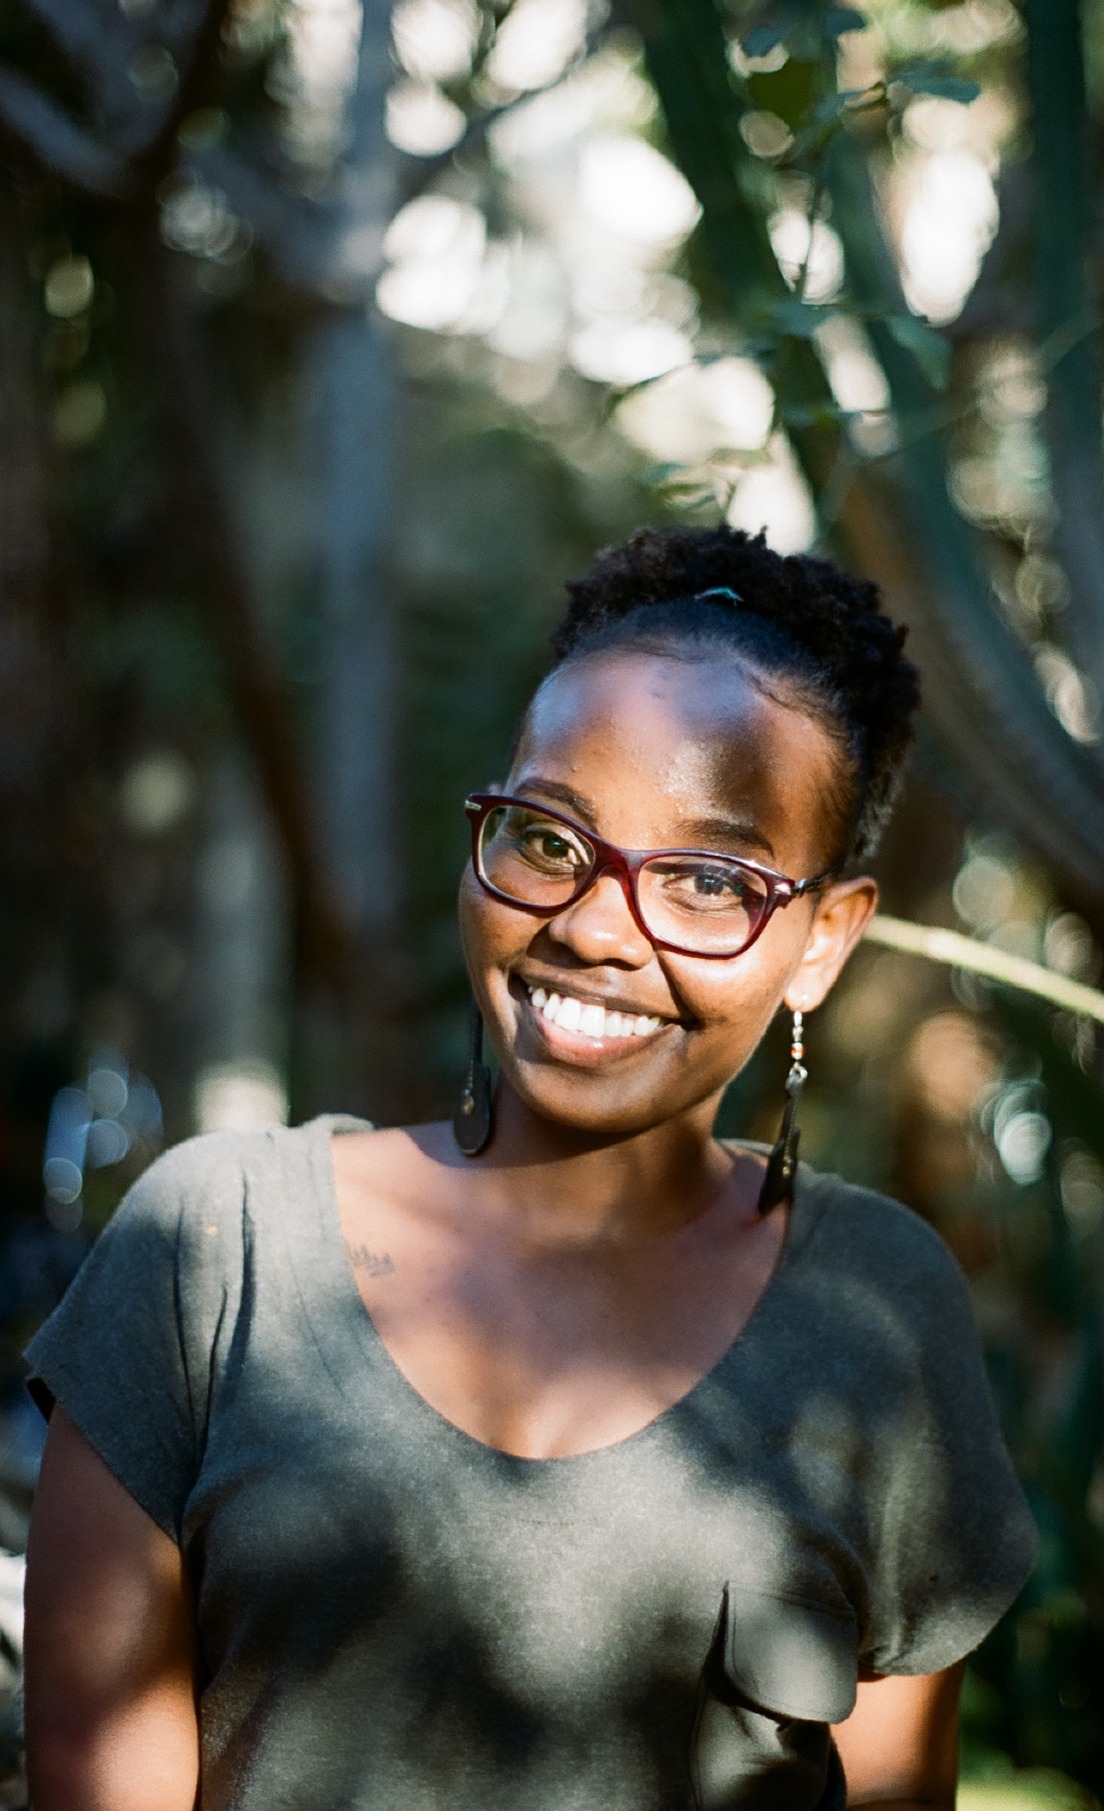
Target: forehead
x,y
654,740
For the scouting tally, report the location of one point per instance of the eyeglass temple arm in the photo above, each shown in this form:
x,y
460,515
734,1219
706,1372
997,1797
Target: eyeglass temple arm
x,y
817,880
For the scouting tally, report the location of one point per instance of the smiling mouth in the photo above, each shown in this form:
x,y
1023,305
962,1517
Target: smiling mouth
x,y
588,1019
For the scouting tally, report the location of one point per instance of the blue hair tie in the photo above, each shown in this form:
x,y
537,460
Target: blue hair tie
x,y
732,597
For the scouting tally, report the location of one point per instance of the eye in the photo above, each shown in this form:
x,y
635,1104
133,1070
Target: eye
x,y
693,884
546,842
542,843
712,883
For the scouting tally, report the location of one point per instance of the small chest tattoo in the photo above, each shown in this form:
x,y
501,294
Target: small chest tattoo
x,y
376,1263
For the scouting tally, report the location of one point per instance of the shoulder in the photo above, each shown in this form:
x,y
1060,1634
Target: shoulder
x,y
210,1169
876,1228
875,1247
215,1181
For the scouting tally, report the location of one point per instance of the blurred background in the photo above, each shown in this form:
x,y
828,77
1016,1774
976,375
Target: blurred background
x,y
332,338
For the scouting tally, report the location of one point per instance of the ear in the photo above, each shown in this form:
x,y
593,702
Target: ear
x,y
843,912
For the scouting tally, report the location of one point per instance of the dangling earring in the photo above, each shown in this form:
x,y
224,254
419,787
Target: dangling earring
x,y
782,1162
473,1120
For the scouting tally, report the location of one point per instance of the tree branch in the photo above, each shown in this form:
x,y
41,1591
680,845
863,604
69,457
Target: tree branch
x,y
58,143
96,41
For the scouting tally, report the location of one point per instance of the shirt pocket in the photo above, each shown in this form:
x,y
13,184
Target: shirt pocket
x,y
779,1671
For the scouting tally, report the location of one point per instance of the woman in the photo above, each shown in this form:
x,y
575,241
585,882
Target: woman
x,y
655,1475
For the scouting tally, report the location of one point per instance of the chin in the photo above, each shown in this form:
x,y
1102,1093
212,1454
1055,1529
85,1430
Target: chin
x,y
583,1105
600,1127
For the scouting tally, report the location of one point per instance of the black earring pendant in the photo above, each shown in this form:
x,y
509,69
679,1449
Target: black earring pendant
x,y
473,1120
782,1162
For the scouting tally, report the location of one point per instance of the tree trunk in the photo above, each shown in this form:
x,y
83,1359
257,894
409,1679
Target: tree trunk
x,y
354,394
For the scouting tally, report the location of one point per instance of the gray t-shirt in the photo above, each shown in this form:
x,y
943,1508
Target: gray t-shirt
x,y
395,1617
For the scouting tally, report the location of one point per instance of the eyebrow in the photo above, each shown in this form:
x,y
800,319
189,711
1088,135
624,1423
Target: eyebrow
x,y
563,795
729,830
697,832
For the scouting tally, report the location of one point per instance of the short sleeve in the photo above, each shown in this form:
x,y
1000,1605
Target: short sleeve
x,y
955,1541
128,1350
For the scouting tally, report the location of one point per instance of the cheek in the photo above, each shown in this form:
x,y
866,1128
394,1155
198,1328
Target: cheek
x,y
731,1025
738,991
472,914
489,932
468,896
732,1021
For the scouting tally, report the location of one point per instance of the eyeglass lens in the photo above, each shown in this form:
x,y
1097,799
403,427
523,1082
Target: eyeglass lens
x,y
703,903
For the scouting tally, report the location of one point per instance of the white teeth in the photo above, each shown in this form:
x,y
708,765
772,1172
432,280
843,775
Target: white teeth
x,y
588,1017
570,1014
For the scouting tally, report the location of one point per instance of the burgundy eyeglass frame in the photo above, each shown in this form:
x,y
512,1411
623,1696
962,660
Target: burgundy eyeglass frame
x,y
626,864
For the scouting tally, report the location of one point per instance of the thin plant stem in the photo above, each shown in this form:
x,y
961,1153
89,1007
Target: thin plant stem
x,y
957,951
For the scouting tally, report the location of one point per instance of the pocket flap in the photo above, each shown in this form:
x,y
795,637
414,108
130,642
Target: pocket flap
x,y
791,1657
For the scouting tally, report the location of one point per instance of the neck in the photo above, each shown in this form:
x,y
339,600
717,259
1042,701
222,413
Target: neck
x,y
556,1183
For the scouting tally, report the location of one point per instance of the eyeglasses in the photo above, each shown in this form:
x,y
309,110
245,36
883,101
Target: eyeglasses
x,y
691,901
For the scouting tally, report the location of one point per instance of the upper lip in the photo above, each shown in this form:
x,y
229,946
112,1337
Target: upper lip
x,y
590,996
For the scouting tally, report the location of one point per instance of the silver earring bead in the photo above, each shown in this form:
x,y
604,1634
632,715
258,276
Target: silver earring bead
x,y
778,1179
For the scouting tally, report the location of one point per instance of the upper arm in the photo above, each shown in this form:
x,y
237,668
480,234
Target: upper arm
x,y
110,1644
900,1743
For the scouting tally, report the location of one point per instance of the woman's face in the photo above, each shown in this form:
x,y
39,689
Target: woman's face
x,y
656,752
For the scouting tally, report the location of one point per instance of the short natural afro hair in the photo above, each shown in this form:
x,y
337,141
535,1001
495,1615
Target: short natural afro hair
x,y
799,619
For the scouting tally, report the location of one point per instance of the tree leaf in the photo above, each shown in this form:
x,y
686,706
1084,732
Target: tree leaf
x,y
834,106
798,320
813,415
841,19
930,349
762,39
929,78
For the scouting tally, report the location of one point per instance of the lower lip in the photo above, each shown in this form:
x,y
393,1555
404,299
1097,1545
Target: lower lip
x,y
575,1047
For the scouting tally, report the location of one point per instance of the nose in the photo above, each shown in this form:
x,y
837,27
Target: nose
x,y
601,927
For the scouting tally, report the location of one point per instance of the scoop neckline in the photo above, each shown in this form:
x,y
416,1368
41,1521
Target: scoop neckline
x,y
352,1313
